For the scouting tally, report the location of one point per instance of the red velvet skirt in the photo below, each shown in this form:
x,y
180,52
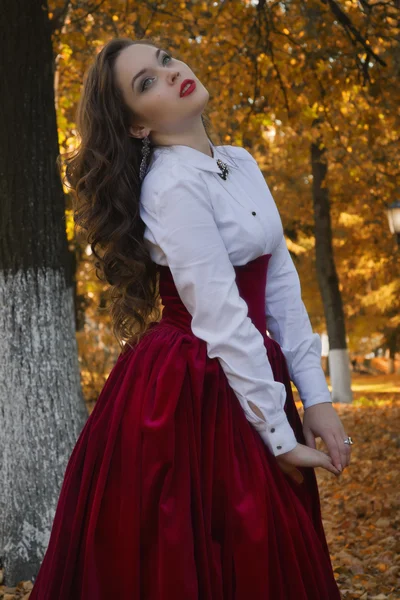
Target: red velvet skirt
x,y
170,493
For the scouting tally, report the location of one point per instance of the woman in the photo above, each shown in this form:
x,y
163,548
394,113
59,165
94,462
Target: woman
x,y
193,477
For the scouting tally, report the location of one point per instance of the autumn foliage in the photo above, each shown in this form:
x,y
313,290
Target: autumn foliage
x,y
280,76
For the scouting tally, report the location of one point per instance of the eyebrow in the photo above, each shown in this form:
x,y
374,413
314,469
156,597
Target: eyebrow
x,y
157,54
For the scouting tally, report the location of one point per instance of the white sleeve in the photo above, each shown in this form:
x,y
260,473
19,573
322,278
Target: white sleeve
x,y
289,324
186,231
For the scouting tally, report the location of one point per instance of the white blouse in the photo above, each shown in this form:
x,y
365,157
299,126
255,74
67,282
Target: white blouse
x,y
200,225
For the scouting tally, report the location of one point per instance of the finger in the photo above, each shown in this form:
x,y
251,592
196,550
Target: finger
x,y
309,437
333,450
344,454
325,461
303,456
332,469
327,464
347,448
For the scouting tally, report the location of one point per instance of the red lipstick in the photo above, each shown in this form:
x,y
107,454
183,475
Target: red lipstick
x,y
190,86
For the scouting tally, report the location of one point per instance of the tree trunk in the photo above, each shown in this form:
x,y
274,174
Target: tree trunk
x,y
391,367
339,364
41,403
392,345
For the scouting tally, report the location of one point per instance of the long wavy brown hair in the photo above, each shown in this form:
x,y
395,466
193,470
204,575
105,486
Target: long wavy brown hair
x,y
103,173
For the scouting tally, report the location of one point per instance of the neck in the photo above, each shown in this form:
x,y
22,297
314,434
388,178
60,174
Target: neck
x,y
196,137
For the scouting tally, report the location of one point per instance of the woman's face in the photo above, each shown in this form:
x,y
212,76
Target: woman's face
x,y
154,95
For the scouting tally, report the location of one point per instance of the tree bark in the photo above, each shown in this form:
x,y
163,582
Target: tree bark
x,y
41,403
339,365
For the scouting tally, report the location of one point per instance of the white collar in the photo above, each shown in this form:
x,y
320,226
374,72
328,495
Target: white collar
x,y
195,158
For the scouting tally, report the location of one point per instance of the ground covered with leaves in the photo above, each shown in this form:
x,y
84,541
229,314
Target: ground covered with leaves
x,y
360,508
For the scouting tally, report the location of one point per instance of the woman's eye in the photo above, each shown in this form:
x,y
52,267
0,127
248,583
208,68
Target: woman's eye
x,y
144,87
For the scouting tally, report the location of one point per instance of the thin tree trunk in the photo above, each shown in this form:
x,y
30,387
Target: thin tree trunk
x,y
339,365
41,404
392,345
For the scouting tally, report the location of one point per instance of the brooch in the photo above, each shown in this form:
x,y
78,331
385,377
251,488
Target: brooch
x,y
224,168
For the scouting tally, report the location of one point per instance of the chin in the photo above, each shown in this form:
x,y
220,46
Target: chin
x,y
203,96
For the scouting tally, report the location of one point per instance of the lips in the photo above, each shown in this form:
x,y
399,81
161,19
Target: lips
x,y
185,83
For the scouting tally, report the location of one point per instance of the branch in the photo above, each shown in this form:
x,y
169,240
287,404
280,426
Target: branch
x,y
59,16
90,11
263,14
351,157
349,28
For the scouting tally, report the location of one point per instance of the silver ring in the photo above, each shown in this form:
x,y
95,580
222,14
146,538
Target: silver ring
x,y
349,441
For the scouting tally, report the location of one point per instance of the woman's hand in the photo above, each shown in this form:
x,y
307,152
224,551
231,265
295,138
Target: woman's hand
x,y
322,420
303,456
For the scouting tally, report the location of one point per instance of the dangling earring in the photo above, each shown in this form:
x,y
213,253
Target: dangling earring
x,y
145,154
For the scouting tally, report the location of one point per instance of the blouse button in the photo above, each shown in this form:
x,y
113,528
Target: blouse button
x,y
279,447
253,213
273,429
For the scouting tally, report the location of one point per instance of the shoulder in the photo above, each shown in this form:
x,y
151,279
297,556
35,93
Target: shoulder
x,y
238,152
169,182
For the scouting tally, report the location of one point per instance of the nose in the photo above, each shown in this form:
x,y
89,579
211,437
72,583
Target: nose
x,y
172,76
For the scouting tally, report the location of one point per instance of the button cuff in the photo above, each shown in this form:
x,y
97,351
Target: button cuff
x,y
280,438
